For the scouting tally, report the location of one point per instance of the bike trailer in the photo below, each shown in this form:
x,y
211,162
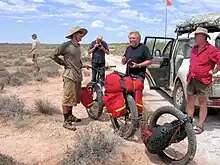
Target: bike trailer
x,y
86,97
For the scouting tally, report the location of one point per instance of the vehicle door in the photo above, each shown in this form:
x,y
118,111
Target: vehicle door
x,y
161,49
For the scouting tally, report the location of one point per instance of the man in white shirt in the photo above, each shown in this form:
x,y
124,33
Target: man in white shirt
x,y
35,51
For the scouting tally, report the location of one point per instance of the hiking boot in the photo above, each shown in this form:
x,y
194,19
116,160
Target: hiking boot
x,y
68,125
72,118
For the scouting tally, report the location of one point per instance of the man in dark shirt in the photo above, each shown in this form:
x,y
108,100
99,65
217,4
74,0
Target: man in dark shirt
x,y
139,54
98,48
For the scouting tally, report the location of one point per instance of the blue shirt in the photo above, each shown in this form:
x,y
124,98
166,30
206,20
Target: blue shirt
x,y
98,56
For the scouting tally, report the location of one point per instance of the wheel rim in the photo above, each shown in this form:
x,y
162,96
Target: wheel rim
x,y
179,96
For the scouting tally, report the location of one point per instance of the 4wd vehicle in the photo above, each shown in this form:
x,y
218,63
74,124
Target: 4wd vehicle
x,y
171,59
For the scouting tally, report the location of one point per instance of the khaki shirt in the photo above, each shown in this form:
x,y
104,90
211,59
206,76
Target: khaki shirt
x,y
71,60
36,47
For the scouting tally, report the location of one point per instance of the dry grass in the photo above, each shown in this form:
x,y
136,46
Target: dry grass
x,y
93,146
8,160
12,107
20,77
4,78
45,107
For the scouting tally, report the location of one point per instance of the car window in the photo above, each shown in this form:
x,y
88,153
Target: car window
x,y
180,48
217,43
167,49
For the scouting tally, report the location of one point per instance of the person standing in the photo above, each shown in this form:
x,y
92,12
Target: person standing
x,y
98,49
72,75
139,54
35,51
204,58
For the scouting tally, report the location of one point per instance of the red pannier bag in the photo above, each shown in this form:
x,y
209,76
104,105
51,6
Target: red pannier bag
x,y
139,87
115,104
128,83
113,83
139,101
86,97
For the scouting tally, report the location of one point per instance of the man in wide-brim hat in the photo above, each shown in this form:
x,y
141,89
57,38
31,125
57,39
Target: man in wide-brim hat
x,y
72,75
203,59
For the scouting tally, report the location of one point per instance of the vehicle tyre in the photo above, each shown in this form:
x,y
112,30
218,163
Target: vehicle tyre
x,y
179,99
192,145
131,105
100,105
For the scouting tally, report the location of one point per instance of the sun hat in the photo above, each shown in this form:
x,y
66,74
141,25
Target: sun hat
x,y
200,30
76,29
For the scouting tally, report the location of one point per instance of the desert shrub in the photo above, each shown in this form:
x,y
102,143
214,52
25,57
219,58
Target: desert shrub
x,y
38,76
11,107
8,160
93,146
118,49
20,61
4,76
20,77
45,62
44,106
50,71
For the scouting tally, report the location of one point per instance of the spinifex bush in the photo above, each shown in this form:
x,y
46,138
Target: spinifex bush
x,y
93,146
44,106
11,107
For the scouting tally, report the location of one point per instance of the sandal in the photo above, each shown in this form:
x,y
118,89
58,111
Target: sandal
x,y
72,118
69,126
198,129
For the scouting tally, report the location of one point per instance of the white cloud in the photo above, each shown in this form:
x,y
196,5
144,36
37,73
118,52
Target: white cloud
x,y
80,21
120,3
66,15
97,23
122,34
39,1
133,14
64,24
20,21
127,13
122,27
94,8
18,6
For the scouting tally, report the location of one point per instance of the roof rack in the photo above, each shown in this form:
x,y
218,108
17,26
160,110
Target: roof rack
x,y
210,21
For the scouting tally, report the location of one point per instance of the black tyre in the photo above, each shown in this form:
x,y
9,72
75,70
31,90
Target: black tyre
x,y
191,151
179,99
127,131
96,110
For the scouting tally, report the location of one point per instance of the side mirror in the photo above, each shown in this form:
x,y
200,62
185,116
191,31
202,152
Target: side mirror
x,y
157,53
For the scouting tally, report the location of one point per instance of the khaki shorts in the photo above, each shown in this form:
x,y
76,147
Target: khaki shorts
x,y
195,87
71,92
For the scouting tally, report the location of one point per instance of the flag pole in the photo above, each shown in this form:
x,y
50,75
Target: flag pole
x,y
166,19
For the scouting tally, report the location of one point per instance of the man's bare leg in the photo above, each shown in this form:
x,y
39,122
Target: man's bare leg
x,y
203,109
190,108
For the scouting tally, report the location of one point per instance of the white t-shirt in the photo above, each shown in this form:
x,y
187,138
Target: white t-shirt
x,y
36,45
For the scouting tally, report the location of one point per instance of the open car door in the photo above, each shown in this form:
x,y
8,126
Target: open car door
x,y
158,73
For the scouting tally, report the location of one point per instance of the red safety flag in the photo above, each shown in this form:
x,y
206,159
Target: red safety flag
x,y
169,3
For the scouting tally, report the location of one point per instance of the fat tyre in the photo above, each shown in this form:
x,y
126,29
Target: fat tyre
x,y
189,131
98,91
134,119
182,106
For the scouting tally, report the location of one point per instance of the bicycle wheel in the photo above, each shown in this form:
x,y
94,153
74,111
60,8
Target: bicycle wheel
x,y
96,110
188,157
126,130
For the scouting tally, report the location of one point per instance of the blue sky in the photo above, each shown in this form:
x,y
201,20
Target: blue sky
x,y
52,19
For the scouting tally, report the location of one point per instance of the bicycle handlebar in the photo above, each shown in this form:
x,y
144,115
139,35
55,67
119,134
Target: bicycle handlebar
x,y
104,67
